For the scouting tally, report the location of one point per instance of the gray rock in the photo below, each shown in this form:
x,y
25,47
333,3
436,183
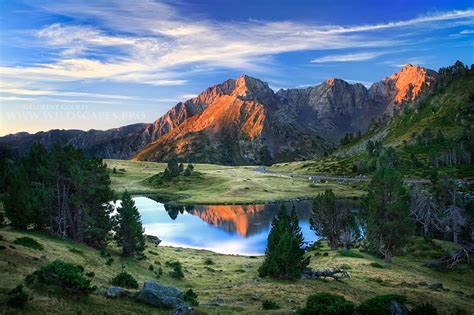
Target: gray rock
x,y
155,240
397,308
217,301
116,292
436,286
163,296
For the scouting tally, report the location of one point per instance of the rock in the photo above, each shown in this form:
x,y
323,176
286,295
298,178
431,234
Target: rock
x,y
436,286
217,301
155,240
397,308
163,296
116,292
422,283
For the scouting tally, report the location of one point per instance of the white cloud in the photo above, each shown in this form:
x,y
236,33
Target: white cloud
x,y
153,43
465,32
348,57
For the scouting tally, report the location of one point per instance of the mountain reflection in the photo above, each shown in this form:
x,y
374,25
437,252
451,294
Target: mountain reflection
x,y
245,220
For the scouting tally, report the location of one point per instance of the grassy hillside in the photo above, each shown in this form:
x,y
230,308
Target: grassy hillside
x,y
449,110
231,282
215,184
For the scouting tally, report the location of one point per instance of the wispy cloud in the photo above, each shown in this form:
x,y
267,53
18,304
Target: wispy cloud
x,y
464,32
363,56
151,42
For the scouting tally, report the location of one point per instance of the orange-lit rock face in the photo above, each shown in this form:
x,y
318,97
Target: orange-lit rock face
x,y
234,217
410,82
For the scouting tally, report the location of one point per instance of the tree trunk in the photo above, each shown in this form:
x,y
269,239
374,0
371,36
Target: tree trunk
x,y
388,257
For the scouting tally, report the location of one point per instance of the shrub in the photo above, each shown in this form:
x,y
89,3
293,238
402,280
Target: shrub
x,y
349,253
91,274
125,280
240,270
208,261
28,242
60,276
2,247
191,297
109,262
325,254
379,304
270,305
17,297
424,309
328,304
177,271
75,251
376,265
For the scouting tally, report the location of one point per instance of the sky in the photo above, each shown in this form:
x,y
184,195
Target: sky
x,y
74,64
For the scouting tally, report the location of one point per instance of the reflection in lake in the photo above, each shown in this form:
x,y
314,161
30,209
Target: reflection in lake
x,y
228,229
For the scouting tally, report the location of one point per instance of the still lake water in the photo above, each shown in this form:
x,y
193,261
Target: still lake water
x,y
226,229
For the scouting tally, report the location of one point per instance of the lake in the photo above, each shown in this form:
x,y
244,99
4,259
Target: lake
x,y
226,229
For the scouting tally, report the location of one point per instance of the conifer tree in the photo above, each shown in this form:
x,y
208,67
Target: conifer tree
x,y
128,229
387,212
284,256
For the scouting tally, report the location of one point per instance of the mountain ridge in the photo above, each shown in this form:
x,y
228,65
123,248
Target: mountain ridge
x,y
255,124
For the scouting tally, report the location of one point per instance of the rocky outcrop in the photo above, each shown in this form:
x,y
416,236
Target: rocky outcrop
x,y
162,296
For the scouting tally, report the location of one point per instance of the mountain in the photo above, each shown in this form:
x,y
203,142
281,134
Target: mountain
x,y
243,121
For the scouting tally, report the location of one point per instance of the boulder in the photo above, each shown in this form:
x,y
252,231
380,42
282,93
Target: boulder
x,y
436,286
159,295
155,240
397,308
116,292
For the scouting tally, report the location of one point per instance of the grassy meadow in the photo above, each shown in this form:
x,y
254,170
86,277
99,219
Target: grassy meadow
x,y
216,184
230,284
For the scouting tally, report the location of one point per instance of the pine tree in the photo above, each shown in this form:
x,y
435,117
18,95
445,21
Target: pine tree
x,y
128,229
387,214
18,207
181,168
284,256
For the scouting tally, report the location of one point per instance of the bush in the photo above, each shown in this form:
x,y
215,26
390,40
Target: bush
x,y
424,309
349,253
75,251
270,305
177,271
125,280
376,265
60,276
91,274
208,261
28,242
191,297
379,304
17,297
109,262
328,304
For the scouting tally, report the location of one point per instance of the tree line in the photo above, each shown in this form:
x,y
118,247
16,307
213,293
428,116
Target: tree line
x,y
65,194
390,215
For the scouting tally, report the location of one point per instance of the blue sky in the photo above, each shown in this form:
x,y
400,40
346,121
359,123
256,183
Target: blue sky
x,y
103,64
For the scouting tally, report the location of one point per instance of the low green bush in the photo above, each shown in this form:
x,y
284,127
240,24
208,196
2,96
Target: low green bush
x,y
151,268
349,253
424,309
90,274
75,250
28,242
17,297
379,304
191,297
61,277
376,265
177,271
327,304
109,262
208,261
270,305
125,280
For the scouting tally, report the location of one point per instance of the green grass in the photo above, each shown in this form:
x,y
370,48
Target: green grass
x,y
28,242
215,184
241,291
